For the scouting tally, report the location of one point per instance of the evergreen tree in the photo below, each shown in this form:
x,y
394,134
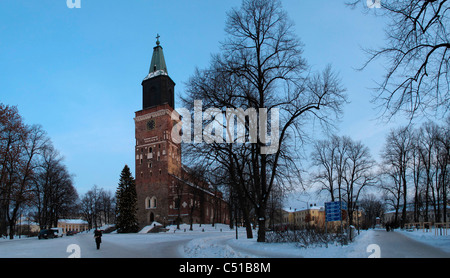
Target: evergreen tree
x,y
126,199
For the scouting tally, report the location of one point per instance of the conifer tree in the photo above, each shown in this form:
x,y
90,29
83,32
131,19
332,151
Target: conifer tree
x,y
126,199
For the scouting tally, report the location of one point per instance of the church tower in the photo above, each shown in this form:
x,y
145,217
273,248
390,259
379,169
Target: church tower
x,y
158,157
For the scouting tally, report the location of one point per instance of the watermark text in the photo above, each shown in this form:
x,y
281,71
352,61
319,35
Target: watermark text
x,y
73,4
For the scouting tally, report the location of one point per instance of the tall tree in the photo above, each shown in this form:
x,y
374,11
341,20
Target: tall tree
x,y
261,68
324,157
55,195
344,167
373,207
397,155
12,132
126,220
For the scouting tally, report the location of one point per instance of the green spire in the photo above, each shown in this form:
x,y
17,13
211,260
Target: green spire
x,y
158,64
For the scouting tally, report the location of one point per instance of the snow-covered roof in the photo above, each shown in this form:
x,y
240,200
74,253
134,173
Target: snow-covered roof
x,y
155,73
73,221
291,209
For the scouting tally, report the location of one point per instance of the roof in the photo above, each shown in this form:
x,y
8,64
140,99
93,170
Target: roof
x,y
291,209
158,63
73,221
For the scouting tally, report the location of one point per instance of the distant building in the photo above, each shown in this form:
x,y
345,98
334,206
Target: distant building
x,y
314,216
26,226
389,216
74,225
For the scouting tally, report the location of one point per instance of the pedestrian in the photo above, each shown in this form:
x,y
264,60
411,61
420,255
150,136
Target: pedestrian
x,y
98,237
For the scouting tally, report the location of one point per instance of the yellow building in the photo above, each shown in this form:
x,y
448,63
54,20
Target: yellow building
x,y
313,216
74,225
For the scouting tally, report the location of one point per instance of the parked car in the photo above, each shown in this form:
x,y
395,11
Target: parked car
x,y
58,232
71,233
46,234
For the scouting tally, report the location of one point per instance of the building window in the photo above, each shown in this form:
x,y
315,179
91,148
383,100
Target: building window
x,y
153,202
150,202
176,203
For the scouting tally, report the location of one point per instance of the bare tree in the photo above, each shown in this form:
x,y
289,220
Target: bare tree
x,y
107,206
261,67
344,167
418,56
397,155
55,195
426,142
12,130
418,157
323,158
97,207
392,189
373,207
32,175
20,163
358,175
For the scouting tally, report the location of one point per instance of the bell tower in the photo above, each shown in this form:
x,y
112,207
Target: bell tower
x,y
157,87
158,157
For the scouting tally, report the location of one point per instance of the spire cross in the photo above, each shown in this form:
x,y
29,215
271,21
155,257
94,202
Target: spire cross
x,y
157,39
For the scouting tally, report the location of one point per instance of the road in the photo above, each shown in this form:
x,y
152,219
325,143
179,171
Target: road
x,y
397,245
171,245
83,245
111,247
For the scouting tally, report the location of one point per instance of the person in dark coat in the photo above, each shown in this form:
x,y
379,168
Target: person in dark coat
x,y
98,237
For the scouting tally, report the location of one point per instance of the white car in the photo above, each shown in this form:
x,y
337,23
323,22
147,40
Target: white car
x,y
57,231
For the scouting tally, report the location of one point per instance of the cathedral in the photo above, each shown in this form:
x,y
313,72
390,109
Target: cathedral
x,y
168,192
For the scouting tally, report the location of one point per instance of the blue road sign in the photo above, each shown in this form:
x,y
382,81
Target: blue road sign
x,y
333,210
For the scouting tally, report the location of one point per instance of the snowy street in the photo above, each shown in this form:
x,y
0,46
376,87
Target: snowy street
x,y
220,242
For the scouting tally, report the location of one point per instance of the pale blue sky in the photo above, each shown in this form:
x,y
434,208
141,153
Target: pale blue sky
x,y
78,72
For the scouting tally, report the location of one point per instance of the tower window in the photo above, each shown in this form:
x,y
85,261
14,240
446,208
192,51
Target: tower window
x,y
150,202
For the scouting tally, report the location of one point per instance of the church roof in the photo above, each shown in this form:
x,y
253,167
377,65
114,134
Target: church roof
x,y
158,63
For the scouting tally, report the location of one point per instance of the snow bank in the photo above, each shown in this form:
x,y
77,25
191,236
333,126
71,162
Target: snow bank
x,y
199,228
146,229
355,249
430,238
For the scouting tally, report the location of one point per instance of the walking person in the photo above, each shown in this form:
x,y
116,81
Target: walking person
x,y
98,237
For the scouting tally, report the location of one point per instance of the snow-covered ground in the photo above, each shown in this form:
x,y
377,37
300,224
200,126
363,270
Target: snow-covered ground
x,y
438,240
219,242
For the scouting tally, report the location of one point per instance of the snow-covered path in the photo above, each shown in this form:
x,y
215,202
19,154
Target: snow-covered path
x,y
397,245
113,246
221,243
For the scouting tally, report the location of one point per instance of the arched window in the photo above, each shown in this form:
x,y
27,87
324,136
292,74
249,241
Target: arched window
x,y
150,203
147,203
153,202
